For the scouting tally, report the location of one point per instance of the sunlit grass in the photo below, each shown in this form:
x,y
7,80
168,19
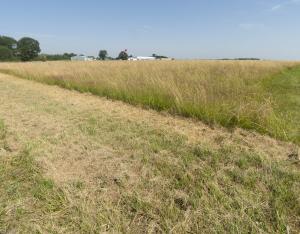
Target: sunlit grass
x,y
191,188
229,93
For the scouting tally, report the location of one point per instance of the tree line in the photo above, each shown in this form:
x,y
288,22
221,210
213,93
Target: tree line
x,y
25,49
28,49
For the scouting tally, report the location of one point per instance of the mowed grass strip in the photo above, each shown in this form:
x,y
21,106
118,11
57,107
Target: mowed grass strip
x,y
285,91
191,189
217,92
28,201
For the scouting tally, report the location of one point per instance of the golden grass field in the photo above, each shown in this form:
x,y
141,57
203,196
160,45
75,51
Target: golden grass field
x,y
74,162
229,93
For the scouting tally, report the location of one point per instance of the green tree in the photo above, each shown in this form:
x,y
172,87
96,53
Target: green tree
x,y
103,54
69,55
6,54
8,42
28,48
123,55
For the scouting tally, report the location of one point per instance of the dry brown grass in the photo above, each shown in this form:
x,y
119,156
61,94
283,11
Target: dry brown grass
x,y
93,165
229,93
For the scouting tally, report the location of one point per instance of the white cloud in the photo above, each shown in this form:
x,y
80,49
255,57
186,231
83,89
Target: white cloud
x,y
276,7
283,4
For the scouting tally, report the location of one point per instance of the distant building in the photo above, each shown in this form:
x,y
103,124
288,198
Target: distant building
x,y
149,58
82,58
165,59
145,58
141,58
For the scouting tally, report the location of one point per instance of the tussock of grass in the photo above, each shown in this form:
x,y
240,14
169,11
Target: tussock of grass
x,y
222,92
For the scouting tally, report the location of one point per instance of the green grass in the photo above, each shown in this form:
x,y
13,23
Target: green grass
x,y
224,190
27,199
183,188
285,91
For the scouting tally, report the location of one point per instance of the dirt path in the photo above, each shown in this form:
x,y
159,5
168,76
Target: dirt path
x,y
61,124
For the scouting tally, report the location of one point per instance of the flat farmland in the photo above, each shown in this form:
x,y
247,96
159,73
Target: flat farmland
x,y
246,94
143,147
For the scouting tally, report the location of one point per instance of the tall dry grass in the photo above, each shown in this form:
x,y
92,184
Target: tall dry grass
x,y
229,93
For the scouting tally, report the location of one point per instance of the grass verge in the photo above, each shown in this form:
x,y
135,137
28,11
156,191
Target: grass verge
x,y
181,188
227,93
192,188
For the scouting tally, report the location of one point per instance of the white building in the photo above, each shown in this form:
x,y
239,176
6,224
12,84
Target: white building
x,y
82,58
145,58
141,58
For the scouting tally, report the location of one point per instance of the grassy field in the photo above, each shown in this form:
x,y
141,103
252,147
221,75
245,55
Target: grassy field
x,y
247,94
77,163
98,166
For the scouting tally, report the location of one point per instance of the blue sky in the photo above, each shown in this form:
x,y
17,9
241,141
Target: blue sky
x,y
267,29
